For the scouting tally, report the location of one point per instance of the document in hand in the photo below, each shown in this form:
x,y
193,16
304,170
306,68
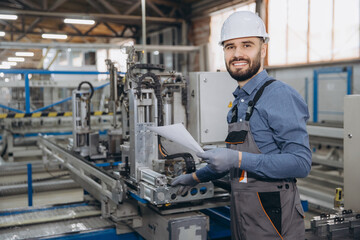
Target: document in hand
x,y
178,133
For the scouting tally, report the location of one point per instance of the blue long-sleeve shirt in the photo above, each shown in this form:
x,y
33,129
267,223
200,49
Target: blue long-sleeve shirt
x,y
278,124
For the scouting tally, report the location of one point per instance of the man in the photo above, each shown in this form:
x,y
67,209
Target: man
x,y
268,145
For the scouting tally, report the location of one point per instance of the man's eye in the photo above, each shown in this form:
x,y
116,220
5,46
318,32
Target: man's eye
x,y
247,45
229,47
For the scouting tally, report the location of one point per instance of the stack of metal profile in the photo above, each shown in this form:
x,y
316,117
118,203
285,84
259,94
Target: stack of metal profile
x,y
343,225
34,223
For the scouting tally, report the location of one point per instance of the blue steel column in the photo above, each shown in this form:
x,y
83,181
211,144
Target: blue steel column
x,y
27,92
30,190
315,107
349,82
307,90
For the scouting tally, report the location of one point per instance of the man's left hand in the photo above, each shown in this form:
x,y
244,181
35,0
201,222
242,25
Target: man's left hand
x,y
221,159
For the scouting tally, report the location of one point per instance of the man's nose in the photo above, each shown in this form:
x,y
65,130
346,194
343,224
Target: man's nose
x,y
238,52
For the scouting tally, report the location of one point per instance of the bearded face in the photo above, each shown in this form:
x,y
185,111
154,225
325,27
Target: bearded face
x,y
243,57
243,74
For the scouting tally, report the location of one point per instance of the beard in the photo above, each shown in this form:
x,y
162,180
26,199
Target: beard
x,y
241,75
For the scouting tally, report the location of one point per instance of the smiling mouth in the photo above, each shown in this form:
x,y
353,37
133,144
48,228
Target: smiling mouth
x,y
239,64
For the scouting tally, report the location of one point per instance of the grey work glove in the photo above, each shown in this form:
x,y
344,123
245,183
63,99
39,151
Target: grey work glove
x,y
221,160
186,182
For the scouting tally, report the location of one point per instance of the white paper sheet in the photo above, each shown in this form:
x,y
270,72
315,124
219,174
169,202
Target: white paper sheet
x,y
178,133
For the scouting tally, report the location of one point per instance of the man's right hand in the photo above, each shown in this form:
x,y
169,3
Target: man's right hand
x,y
186,182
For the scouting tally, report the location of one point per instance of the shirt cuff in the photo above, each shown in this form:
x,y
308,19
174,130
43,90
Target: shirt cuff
x,y
248,161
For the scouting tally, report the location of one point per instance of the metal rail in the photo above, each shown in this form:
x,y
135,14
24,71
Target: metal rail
x,y
106,186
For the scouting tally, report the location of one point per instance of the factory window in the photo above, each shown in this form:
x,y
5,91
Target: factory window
x,y
217,19
90,58
77,58
312,31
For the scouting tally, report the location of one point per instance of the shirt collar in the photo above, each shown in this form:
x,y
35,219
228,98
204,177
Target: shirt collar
x,y
250,86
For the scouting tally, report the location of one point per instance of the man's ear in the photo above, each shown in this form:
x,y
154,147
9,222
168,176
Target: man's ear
x,y
263,50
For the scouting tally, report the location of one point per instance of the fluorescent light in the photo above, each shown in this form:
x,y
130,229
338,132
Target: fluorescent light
x,y
24,54
16,59
2,34
5,67
9,63
79,21
54,36
8,17
156,52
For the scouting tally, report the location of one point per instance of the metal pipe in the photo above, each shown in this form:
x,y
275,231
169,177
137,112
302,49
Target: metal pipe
x,y
30,191
58,45
143,18
90,15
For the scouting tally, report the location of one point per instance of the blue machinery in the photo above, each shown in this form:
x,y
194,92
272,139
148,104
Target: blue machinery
x,y
330,70
26,73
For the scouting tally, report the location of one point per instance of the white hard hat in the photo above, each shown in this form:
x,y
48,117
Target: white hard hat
x,y
243,24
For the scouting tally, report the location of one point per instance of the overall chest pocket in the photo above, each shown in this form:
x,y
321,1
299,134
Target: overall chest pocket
x,y
236,137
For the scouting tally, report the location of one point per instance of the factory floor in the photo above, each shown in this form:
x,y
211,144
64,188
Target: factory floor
x,y
65,196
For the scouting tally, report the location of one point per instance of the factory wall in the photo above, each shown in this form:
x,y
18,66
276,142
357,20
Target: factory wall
x,y
331,87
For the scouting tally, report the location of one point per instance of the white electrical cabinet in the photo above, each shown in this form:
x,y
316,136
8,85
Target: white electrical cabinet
x,y
209,98
352,152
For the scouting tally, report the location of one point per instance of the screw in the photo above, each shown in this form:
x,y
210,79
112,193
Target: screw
x,y
350,135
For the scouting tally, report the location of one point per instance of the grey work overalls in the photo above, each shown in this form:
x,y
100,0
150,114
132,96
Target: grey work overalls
x,y
261,208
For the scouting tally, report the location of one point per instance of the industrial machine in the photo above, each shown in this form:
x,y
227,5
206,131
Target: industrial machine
x,y
135,187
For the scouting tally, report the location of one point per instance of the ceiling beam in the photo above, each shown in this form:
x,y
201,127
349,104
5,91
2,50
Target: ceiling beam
x,y
15,4
76,29
109,7
96,6
167,3
133,8
57,4
93,15
155,8
92,28
30,28
110,28
30,4
68,34
45,4
62,45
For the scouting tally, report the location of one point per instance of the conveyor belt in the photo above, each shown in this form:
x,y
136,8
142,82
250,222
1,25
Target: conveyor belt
x,y
44,222
56,228
47,215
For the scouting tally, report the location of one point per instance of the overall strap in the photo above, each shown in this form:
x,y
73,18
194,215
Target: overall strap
x,y
253,102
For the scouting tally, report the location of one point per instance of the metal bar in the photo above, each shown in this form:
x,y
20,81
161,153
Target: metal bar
x,y
57,4
133,8
307,90
89,15
160,48
92,28
110,28
332,30
52,105
315,100
36,71
54,58
109,7
349,82
11,109
329,70
65,100
30,191
82,170
155,8
143,19
27,93
30,4
76,29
